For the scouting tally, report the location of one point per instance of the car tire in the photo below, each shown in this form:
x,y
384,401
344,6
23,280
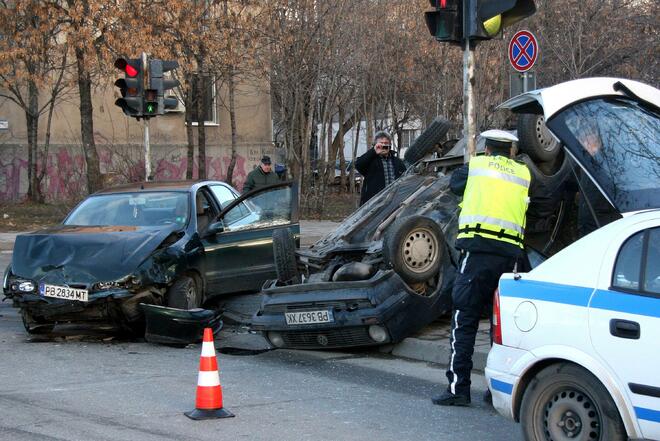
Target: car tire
x,y
535,139
426,142
34,326
565,401
284,253
414,246
184,293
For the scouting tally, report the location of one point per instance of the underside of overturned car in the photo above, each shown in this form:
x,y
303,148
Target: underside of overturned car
x,y
388,269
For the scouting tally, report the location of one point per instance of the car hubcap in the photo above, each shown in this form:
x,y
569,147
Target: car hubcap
x,y
548,143
420,250
190,296
571,415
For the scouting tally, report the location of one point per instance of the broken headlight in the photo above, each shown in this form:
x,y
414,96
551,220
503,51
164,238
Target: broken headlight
x,y
124,282
20,285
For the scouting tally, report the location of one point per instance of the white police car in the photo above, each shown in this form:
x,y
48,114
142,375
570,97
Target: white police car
x,y
576,353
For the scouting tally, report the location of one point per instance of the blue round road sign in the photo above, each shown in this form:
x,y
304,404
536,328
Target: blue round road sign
x,y
523,51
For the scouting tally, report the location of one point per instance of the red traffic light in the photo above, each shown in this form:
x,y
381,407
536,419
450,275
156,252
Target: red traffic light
x,y
121,63
438,4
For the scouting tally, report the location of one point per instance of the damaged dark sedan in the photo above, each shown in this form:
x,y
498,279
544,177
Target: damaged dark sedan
x,y
176,244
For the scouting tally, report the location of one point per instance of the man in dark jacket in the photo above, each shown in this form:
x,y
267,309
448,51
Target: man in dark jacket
x,y
379,166
261,176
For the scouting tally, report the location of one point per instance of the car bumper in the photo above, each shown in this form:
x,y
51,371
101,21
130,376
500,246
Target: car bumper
x,y
503,372
384,300
109,304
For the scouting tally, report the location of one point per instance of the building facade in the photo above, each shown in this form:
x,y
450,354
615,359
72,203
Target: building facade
x,y
120,139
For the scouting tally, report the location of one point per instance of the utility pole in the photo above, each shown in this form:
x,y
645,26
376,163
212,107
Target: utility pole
x,y
147,149
469,110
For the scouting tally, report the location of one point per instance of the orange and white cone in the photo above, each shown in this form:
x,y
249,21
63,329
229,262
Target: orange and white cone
x,y
208,404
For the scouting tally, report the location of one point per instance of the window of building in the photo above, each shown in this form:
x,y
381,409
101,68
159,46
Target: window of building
x,y
407,138
207,82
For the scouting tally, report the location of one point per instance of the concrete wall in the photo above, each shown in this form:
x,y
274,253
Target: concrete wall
x,y
119,143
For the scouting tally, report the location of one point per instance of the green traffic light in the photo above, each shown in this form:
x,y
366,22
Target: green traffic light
x,y
151,108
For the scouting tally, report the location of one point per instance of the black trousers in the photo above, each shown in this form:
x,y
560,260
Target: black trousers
x,y
476,280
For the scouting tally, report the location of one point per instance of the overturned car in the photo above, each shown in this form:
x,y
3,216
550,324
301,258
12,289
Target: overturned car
x,y
387,270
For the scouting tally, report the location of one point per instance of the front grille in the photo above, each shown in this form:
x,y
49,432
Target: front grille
x,y
348,305
330,338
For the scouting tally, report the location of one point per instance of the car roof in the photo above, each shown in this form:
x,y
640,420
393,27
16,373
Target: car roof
x,y
158,186
555,98
593,244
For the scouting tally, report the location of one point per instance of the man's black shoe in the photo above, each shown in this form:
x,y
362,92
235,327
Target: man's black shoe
x,y
488,397
449,399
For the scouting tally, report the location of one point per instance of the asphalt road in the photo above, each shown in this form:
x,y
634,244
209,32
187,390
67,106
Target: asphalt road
x,y
86,384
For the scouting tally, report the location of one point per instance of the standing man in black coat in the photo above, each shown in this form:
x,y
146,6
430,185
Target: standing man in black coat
x,y
379,166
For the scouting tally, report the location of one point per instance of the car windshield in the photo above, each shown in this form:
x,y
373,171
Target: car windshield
x,y
618,142
143,209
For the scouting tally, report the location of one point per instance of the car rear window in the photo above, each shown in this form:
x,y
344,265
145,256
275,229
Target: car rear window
x,y
618,142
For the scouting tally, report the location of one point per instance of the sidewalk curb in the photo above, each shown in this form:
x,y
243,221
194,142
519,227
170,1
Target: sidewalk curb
x,y
432,351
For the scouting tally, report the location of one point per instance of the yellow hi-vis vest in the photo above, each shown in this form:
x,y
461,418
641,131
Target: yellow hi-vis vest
x,y
495,200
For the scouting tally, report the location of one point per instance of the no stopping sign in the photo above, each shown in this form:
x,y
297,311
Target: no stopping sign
x,y
523,51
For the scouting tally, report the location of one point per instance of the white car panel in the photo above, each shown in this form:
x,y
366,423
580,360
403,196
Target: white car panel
x,y
555,98
574,302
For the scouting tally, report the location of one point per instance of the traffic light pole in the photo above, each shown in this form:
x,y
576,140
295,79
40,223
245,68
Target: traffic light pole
x,y
147,151
147,147
469,110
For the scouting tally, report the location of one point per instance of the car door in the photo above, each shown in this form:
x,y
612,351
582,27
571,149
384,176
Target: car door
x,y
624,321
241,254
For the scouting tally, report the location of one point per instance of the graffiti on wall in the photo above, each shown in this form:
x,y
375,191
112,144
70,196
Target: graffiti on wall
x,y
65,179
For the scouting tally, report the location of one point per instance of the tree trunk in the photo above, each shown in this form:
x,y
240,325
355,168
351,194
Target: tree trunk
x,y
342,159
87,124
232,122
190,151
32,122
201,128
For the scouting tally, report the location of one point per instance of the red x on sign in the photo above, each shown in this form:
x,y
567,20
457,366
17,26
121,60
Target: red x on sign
x,y
523,51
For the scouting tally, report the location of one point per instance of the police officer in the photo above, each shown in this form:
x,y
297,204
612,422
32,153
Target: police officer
x,y
490,236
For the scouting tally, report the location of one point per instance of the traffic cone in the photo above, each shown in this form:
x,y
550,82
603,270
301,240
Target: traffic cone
x,y
208,404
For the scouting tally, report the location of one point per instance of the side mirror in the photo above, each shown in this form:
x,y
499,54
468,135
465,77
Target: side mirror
x,y
215,228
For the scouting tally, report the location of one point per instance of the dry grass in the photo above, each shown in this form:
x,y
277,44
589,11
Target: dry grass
x,y
335,207
28,216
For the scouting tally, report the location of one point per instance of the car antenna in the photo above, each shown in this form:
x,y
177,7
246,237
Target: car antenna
x,y
516,276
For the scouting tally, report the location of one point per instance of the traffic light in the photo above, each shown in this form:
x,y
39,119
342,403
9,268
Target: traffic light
x,y
159,85
446,22
485,19
131,86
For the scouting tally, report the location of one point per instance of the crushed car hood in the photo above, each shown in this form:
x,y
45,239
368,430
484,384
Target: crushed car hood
x,y
85,255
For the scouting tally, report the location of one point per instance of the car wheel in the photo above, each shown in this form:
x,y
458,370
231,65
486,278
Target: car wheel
x,y
427,141
566,402
284,252
183,294
535,139
414,247
34,326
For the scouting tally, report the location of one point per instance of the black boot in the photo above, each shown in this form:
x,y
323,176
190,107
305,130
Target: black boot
x,y
450,399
